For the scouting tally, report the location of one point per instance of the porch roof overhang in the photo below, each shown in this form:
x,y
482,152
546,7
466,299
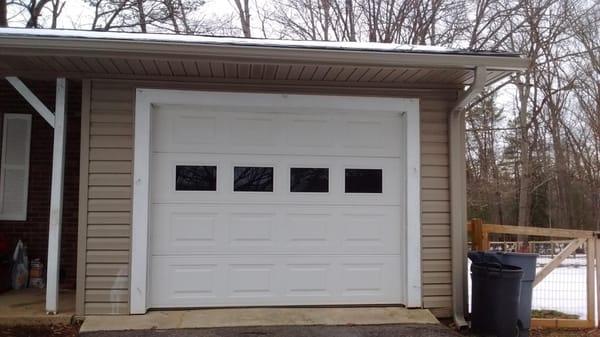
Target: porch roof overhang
x,y
90,54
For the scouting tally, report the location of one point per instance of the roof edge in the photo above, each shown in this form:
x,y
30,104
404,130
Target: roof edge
x,y
82,43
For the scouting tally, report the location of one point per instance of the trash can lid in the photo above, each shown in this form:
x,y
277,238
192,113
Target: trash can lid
x,y
518,254
483,257
502,270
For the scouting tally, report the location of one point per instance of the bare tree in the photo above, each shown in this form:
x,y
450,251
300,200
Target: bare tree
x,y
3,14
243,11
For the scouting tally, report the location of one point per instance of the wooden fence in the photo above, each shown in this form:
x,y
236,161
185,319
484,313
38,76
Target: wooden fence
x,y
480,241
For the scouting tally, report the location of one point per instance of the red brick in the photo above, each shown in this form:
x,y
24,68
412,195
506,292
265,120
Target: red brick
x,y
34,231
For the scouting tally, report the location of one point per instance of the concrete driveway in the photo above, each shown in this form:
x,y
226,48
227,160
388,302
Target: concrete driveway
x,y
400,330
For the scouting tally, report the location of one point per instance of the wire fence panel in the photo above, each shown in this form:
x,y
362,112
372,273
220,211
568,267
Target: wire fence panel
x,y
562,294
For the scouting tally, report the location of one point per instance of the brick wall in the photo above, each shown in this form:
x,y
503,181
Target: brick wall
x,y
34,231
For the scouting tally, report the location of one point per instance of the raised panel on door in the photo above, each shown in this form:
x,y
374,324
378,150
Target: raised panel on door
x,y
269,229
190,281
196,129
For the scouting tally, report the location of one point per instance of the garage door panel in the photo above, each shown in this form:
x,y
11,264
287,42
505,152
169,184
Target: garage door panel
x,y
178,128
181,229
338,238
274,280
164,177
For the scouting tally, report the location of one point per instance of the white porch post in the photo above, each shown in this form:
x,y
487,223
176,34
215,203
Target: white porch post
x,y
57,121
56,196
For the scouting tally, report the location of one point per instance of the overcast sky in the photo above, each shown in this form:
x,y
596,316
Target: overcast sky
x,y
79,15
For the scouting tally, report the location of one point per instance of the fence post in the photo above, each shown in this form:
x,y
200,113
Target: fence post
x,y
591,280
480,236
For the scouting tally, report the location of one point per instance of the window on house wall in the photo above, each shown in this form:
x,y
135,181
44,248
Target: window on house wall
x,y
14,166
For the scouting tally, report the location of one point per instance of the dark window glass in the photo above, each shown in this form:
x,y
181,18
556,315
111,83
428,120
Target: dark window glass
x,y
363,180
195,178
252,179
309,179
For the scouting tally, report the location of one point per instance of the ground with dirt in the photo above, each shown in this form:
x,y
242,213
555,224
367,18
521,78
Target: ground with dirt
x,y
40,331
346,331
565,333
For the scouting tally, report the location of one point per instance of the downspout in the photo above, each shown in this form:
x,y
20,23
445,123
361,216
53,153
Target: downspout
x,y
458,197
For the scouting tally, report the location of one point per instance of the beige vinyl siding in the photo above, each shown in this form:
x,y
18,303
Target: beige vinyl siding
x,y
110,179
109,199
435,207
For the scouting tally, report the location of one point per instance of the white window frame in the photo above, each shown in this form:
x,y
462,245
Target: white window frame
x,y
146,98
22,216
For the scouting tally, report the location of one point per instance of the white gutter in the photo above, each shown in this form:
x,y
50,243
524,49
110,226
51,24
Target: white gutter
x,y
458,197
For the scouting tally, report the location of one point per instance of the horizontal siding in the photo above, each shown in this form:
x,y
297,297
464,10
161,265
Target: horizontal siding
x,y
109,200
106,295
108,231
108,243
435,208
107,269
109,192
111,164
437,290
109,205
111,154
106,308
109,218
435,253
107,282
111,256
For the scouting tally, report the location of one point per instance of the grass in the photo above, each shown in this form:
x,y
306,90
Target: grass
x,y
552,314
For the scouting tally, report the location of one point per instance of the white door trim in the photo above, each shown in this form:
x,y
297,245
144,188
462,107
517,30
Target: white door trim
x,y
141,171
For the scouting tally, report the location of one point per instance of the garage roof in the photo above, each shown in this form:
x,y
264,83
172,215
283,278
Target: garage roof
x,y
93,54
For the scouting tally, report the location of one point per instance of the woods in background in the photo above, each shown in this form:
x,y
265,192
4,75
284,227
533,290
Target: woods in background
x,y
533,141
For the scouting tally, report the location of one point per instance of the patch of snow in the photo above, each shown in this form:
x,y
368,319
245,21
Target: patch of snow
x,y
564,289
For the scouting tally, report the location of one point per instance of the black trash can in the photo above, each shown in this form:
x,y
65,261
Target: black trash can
x,y
526,261
496,289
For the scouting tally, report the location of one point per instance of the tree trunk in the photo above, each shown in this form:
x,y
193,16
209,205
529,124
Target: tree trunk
x,y
350,20
525,169
244,14
562,175
3,16
142,14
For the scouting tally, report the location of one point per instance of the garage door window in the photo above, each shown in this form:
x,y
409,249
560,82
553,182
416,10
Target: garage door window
x,y
195,178
252,179
314,180
364,180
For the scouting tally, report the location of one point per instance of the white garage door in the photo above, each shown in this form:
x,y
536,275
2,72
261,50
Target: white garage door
x,y
294,205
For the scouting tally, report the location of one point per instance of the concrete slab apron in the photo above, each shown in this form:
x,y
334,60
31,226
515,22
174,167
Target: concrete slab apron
x,y
404,330
258,317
